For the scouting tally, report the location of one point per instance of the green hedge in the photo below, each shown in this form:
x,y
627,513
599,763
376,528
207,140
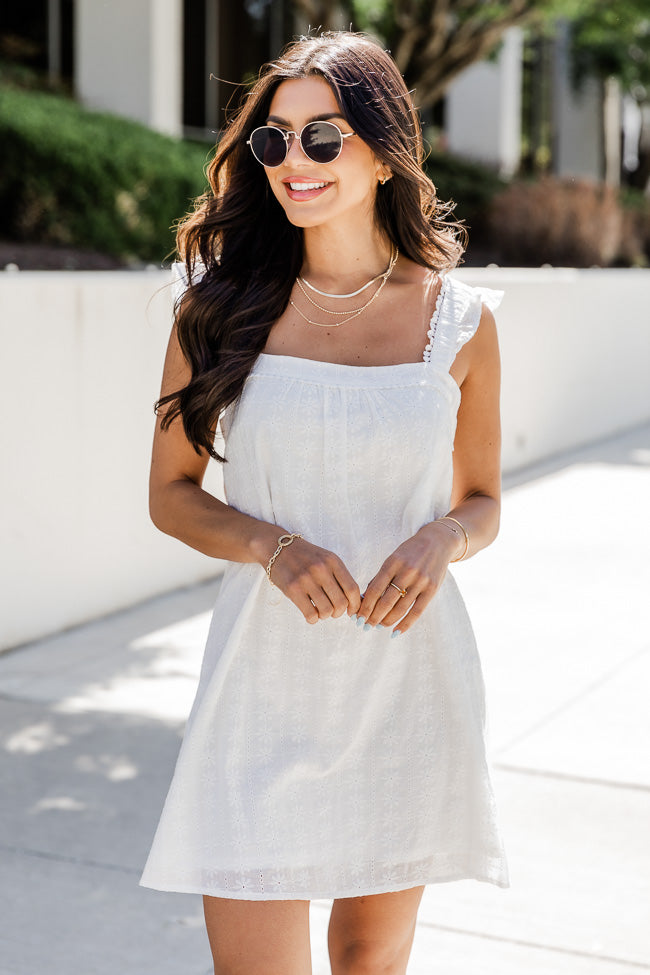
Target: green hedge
x,y
91,180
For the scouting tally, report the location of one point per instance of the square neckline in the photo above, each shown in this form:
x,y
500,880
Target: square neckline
x,y
426,352
343,365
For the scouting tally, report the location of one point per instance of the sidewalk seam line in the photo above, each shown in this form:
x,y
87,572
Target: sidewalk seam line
x,y
567,777
60,858
533,944
576,699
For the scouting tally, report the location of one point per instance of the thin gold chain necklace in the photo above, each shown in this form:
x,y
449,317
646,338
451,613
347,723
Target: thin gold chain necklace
x,y
354,314
327,310
352,294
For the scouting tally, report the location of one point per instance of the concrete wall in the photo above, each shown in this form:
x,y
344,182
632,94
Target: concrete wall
x,y
83,355
575,349
483,108
85,351
128,59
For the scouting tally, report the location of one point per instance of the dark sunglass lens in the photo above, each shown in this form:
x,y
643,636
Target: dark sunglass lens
x,y
321,141
268,145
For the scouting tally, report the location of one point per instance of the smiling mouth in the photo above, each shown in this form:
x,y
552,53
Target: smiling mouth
x,y
304,190
299,187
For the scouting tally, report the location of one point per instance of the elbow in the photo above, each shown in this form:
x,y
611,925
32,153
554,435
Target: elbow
x,y
156,516
158,512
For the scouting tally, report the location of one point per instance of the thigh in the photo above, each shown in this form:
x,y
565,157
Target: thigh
x,y
373,933
258,937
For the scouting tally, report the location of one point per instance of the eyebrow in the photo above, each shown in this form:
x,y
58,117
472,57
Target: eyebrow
x,y
316,118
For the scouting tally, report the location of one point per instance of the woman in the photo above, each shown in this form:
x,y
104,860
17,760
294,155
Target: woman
x,y
335,748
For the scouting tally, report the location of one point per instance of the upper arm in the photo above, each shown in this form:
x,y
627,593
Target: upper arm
x,y
173,456
477,444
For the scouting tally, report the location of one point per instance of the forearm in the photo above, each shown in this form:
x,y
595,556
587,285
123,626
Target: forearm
x,y
478,515
184,510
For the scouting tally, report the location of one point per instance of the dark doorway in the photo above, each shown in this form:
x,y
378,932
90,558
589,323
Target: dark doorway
x,y
228,40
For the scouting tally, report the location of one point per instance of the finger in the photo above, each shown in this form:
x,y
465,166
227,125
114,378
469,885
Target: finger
x,y
385,591
392,600
375,590
305,605
413,615
322,602
349,588
380,587
397,613
334,579
338,599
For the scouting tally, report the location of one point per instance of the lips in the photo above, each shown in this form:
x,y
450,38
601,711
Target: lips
x,y
305,189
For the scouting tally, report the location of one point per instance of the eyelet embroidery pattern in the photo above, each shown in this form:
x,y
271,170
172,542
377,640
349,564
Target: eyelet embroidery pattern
x,y
323,760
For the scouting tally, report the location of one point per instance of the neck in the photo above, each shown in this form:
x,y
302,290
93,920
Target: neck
x,y
342,262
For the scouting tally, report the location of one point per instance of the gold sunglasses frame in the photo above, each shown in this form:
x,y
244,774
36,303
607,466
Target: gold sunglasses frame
x,y
290,136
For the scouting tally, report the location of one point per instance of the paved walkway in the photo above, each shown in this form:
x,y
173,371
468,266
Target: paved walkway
x,y
90,723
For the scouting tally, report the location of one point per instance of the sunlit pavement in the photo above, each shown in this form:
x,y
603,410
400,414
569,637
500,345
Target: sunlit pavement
x,y
90,723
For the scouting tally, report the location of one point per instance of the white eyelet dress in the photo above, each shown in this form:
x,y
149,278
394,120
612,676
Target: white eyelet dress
x,y
324,761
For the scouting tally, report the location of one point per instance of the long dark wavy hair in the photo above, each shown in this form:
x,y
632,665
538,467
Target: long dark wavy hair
x,y
249,253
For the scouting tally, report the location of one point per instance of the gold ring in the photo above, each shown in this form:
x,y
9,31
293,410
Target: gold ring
x,y
402,592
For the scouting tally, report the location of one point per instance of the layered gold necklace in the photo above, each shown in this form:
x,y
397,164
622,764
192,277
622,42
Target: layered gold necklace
x,y
303,284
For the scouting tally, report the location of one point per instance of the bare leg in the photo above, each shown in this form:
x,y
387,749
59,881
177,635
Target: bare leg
x,y
373,934
258,937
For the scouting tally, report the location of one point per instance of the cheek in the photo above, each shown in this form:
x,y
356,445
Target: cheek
x,y
362,183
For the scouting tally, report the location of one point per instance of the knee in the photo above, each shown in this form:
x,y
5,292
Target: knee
x,y
367,958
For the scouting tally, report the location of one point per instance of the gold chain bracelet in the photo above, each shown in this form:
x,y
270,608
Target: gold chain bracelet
x,y
283,542
464,531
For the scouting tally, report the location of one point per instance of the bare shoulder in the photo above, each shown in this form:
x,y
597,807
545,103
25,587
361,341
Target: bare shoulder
x,y
416,277
414,293
485,341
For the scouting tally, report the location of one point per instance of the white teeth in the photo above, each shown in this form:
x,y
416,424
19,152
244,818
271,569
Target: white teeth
x,y
307,186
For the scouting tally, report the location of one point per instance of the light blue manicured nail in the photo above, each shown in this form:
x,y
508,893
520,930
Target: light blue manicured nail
x,y
367,626
353,617
395,633
360,621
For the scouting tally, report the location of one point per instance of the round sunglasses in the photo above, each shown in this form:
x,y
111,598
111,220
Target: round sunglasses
x,y
321,142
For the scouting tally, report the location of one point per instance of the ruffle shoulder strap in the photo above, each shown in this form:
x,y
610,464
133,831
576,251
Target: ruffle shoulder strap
x,y
456,318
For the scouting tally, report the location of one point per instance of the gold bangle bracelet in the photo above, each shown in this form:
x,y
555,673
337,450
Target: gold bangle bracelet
x,y
283,542
464,531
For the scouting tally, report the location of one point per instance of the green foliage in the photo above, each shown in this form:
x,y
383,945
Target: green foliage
x,y
614,40
388,18
91,180
608,39
374,16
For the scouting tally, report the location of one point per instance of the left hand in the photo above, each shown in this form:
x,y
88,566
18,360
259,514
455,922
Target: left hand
x,y
418,566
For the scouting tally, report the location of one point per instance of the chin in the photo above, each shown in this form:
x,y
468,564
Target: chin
x,y
304,221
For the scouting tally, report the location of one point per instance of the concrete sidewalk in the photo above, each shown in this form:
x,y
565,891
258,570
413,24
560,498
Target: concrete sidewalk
x,y
91,722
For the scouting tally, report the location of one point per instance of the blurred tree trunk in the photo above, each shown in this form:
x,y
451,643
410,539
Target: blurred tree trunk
x,y
432,41
325,14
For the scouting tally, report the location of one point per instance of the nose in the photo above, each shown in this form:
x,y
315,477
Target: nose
x,y
295,151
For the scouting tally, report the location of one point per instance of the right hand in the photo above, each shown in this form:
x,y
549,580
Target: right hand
x,y
316,581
